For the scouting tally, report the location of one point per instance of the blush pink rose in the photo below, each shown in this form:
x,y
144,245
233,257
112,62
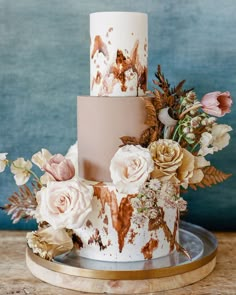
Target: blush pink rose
x,y
60,168
64,204
217,103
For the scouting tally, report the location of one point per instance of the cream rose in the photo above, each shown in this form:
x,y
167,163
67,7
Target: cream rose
x,y
130,168
171,161
64,204
167,156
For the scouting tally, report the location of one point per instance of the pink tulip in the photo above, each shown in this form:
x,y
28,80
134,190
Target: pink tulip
x,y
217,103
60,168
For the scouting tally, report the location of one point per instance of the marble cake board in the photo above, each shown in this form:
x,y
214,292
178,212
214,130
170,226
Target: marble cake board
x,y
100,279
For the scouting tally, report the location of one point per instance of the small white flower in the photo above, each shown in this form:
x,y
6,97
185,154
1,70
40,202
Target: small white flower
x,y
152,213
204,121
139,219
148,203
155,184
205,141
136,203
220,136
3,161
41,158
181,204
21,169
190,136
195,122
186,130
211,120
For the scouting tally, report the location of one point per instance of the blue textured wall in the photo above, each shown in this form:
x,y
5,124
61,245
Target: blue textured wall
x,y
44,65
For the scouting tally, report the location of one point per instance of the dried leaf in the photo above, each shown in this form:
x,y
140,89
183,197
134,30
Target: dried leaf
x,y
157,100
162,81
211,176
146,137
21,204
128,140
151,117
178,89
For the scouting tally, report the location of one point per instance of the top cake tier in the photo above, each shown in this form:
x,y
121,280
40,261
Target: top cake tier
x,y
118,53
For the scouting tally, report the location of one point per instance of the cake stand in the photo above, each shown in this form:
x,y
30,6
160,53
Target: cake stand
x,y
172,271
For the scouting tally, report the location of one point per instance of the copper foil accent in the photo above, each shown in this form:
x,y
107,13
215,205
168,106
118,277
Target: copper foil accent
x,y
89,223
124,217
78,244
124,63
96,238
119,69
176,226
105,230
132,236
120,215
105,220
159,222
99,46
148,249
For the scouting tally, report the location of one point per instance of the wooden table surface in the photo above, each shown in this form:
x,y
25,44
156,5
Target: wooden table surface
x,y
15,279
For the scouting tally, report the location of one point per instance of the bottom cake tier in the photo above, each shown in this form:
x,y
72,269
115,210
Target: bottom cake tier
x,y
116,230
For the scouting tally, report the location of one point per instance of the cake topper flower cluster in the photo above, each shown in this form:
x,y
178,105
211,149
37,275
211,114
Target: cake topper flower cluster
x,y
169,155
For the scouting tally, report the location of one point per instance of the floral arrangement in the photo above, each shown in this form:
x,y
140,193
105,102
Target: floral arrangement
x,y
170,155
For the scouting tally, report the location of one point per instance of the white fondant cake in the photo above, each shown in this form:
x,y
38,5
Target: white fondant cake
x,y
115,230
122,226
118,53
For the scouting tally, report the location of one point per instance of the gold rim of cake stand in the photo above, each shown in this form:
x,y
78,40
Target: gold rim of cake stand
x,y
121,274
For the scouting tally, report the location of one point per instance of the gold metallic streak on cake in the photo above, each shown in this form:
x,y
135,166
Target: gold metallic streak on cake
x,y
148,249
99,46
121,215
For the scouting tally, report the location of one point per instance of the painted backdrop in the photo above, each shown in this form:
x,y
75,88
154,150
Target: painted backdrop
x,y
44,65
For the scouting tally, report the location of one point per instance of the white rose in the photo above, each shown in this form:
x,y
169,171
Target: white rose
x,y
41,158
3,161
220,136
64,204
21,169
130,168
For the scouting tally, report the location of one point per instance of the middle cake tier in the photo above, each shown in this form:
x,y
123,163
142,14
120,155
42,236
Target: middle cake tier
x,y
102,121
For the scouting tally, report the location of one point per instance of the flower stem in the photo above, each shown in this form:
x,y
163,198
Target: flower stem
x,y
176,130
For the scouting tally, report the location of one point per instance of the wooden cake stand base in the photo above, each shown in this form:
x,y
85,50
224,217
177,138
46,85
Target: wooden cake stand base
x,y
170,272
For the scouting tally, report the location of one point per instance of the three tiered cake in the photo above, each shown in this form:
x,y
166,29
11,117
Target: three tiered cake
x,y
116,229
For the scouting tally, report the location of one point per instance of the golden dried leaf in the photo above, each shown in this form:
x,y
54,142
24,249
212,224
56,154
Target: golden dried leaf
x,y
128,140
170,100
211,176
157,100
151,117
153,136
147,136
